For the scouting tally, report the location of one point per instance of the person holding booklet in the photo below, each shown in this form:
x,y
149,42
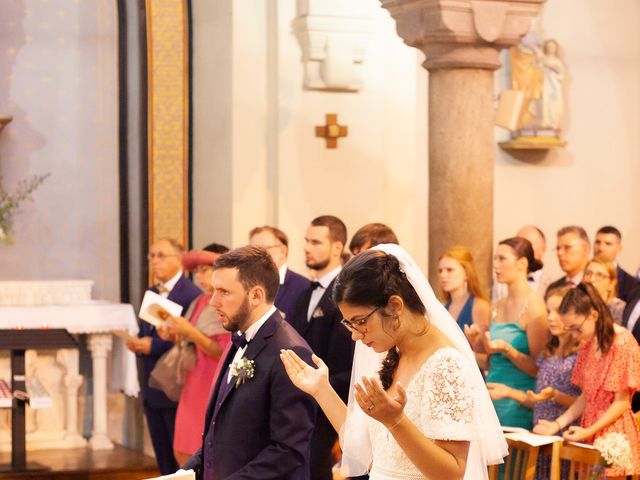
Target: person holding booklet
x,y
165,263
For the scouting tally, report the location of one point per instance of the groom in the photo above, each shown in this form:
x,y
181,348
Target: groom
x,y
257,425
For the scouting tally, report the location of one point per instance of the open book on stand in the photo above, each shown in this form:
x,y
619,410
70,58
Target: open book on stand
x,y
155,309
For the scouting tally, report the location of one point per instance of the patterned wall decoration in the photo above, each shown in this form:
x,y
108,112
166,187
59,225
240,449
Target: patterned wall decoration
x,y
168,125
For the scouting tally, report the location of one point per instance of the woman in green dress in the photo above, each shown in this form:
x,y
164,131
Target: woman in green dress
x,y
517,333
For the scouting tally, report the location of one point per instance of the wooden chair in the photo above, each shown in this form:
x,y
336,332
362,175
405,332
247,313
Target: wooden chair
x,y
520,464
584,463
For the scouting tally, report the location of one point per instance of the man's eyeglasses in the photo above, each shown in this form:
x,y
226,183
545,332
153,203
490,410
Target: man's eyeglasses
x,y
355,323
160,256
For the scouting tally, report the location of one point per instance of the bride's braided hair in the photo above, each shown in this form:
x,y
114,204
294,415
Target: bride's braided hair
x,y
369,280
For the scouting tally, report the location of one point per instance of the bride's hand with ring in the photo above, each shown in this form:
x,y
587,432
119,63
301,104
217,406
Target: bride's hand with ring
x,y
308,379
378,404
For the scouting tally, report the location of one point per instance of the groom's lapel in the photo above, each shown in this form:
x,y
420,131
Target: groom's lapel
x,y
254,347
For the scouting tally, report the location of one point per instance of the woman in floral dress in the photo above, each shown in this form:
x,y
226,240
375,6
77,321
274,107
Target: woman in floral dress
x,y
608,372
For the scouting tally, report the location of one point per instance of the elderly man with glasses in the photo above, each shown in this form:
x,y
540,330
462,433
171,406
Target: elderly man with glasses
x,y
573,254
165,264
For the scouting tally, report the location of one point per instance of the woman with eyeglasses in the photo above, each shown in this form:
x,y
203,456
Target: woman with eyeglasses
x,y
602,274
608,372
518,331
418,407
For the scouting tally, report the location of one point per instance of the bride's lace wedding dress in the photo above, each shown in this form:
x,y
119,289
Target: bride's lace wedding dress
x,y
439,403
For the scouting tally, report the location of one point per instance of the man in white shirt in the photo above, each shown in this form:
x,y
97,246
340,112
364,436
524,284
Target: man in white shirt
x,y
573,255
317,318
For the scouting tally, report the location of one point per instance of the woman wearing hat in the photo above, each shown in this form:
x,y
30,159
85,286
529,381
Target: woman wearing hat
x,y
201,327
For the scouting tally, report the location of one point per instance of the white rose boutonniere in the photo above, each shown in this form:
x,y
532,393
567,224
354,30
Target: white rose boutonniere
x,y
243,369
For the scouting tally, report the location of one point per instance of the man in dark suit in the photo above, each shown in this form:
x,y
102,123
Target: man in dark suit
x,y
317,318
608,245
165,261
292,284
573,254
631,320
258,425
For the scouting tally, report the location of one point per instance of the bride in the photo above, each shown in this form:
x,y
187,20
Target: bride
x,y
427,413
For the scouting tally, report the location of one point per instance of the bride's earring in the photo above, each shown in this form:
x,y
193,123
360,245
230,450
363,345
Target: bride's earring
x,y
396,322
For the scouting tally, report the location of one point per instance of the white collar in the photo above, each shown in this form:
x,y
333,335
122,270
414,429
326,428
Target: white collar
x,y
253,329
328,277
283,272
172,281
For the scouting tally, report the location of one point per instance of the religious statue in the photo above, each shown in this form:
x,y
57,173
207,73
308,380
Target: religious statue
x,y
537,73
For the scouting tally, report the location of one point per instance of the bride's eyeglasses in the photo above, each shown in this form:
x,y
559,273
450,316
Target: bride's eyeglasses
x,y
355,323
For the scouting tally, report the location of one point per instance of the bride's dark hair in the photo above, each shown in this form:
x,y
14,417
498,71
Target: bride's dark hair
x,y
368,280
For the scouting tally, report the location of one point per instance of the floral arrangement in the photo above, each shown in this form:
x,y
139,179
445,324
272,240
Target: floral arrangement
x,y
9,203
615,450
244,369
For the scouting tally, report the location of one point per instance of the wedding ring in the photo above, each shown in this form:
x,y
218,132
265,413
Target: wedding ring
x,y
370,407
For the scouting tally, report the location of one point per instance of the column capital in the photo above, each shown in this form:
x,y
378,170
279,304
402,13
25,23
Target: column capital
x,y
462,33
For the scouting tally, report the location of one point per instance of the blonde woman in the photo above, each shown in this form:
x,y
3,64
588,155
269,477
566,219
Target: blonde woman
x,y
602,274
463,297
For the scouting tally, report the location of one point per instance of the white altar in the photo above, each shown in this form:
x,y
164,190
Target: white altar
x,y
38,305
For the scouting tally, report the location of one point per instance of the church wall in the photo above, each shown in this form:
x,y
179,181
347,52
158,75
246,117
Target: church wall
x,y
58,78
281,173
593,181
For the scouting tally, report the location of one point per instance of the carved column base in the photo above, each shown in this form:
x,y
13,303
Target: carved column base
x,y
100,345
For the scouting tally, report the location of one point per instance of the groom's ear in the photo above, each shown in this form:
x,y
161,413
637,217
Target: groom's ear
x,y
257,295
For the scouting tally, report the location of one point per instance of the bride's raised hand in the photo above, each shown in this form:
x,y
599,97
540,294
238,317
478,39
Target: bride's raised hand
x,y
378,404
303,375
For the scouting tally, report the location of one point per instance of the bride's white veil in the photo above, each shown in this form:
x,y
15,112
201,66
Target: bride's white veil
x,y
488,445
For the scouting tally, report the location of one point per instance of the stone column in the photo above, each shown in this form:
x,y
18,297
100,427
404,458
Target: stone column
x,y
461,40
72,381
100,344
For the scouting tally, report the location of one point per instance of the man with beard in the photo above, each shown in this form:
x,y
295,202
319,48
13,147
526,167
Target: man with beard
x,y
317,318
258,424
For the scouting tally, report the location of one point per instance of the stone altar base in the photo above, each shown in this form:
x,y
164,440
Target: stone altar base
x,y
85,464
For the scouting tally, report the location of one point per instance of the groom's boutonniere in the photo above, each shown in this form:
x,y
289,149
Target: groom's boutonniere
x,y
244,369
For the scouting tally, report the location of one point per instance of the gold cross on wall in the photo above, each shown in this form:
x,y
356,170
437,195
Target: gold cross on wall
x,y
332,131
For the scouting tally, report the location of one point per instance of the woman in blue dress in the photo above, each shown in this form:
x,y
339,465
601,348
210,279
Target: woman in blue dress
x,y
463,297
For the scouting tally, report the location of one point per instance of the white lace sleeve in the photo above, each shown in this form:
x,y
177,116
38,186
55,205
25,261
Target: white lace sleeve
x,y
448,400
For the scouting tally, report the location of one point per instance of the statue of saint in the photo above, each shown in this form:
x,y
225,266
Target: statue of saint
x,y
552,101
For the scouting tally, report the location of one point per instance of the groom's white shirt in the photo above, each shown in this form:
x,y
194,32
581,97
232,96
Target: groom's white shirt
x,y
249,334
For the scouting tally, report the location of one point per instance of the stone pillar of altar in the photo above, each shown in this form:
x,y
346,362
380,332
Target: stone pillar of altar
x,y
72,382
461,40
100,345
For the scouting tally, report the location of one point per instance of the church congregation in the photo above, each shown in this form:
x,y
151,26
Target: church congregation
x,y
320,239
560,360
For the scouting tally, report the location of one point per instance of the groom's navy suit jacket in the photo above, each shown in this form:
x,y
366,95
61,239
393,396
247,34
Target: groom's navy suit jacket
x,y
262,429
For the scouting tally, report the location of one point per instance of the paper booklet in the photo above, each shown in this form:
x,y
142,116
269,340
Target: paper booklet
x,y
533,439
155,309
179,475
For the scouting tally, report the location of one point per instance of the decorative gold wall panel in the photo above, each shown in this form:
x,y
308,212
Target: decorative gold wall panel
x,y
168,120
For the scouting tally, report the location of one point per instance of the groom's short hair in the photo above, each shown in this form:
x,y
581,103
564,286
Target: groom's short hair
x,y
255,267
